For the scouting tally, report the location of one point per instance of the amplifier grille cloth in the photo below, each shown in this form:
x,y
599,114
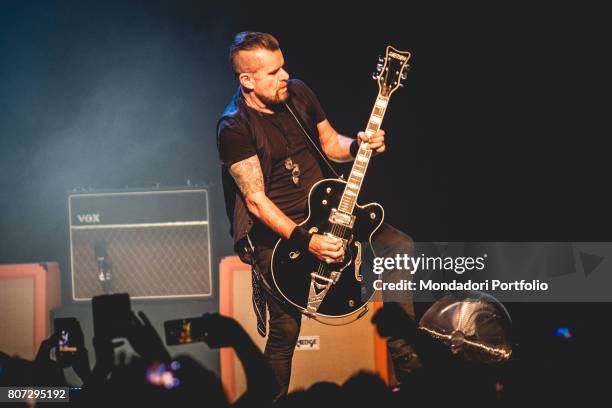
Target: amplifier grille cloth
x,y
151,261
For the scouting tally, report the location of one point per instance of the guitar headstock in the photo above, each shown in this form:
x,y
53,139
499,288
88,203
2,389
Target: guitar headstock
x,y
391,70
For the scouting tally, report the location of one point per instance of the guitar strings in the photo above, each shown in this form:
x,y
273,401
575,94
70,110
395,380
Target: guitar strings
x,y
337,229
340,230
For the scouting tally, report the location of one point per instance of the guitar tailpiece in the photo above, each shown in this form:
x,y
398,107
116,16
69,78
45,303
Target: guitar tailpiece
x,y
319,286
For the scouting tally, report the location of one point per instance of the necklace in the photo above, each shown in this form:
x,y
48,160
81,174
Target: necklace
x,y
290,165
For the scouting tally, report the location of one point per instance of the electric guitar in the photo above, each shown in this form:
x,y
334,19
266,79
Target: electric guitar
x,y
336,290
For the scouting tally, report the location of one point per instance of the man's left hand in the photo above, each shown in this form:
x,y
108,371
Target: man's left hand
x,y
376,142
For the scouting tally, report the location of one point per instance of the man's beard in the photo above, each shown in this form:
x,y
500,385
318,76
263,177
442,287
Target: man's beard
x,y
274,102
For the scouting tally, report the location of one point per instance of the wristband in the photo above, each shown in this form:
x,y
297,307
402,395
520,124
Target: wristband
x,y
354,148
301,236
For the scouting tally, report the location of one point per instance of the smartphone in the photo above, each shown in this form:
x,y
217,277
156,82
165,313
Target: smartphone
x,y
184,331
110,315
70,341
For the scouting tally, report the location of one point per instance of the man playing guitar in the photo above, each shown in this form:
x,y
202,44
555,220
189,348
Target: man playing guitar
x,y
269,167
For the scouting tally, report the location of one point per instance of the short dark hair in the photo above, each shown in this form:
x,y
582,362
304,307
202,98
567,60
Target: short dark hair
x,y
251,40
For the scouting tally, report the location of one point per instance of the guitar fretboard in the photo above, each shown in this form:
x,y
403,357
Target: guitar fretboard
x,y
355,179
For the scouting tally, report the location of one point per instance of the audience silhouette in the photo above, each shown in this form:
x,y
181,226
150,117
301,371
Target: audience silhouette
x,y
544,372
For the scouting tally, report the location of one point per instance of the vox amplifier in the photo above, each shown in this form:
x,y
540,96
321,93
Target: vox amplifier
x,y
150,244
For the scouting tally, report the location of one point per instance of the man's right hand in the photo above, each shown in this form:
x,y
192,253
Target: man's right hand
x,y
327,249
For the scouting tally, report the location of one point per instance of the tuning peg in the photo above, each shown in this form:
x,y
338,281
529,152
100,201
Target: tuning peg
x,y
404,75
379,67
401,85
381,59
375,76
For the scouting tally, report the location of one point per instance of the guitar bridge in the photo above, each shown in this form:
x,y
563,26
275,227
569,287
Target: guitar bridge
x,y
319,286
345,242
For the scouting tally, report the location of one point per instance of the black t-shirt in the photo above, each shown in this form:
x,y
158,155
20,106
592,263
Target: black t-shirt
x,y
288,142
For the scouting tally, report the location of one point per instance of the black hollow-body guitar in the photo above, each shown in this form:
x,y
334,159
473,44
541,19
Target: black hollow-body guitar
x,y
336,290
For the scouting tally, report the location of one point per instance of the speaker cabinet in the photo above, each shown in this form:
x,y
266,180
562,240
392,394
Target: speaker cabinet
x,y
323,353
27,293
150,244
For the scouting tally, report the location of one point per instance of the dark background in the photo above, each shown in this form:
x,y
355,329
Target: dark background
x,y
497,136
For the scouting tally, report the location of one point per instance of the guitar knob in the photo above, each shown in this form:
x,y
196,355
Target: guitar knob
x,y
328,190
324,202
372,215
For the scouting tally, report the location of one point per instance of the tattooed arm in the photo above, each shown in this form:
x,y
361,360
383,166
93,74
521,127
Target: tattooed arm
x,y
249,178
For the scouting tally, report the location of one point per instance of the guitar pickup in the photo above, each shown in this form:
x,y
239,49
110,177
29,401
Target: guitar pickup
x,y
341,218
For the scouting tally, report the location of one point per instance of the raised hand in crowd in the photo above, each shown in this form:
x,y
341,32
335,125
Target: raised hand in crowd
x,y
393,321
144,339
43,357
221,331
104,348
46,371
81,365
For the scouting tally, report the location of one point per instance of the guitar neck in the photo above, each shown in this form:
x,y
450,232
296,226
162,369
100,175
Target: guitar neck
x,y
360,165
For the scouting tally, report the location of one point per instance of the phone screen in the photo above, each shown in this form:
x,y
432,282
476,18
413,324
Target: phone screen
x,y
66,343
71,338
184,331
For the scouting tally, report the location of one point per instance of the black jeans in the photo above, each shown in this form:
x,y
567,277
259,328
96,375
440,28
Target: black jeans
x,y
285,322
284,327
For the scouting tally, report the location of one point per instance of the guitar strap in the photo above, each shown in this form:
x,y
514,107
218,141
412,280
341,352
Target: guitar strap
x,y
259,284
313,144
